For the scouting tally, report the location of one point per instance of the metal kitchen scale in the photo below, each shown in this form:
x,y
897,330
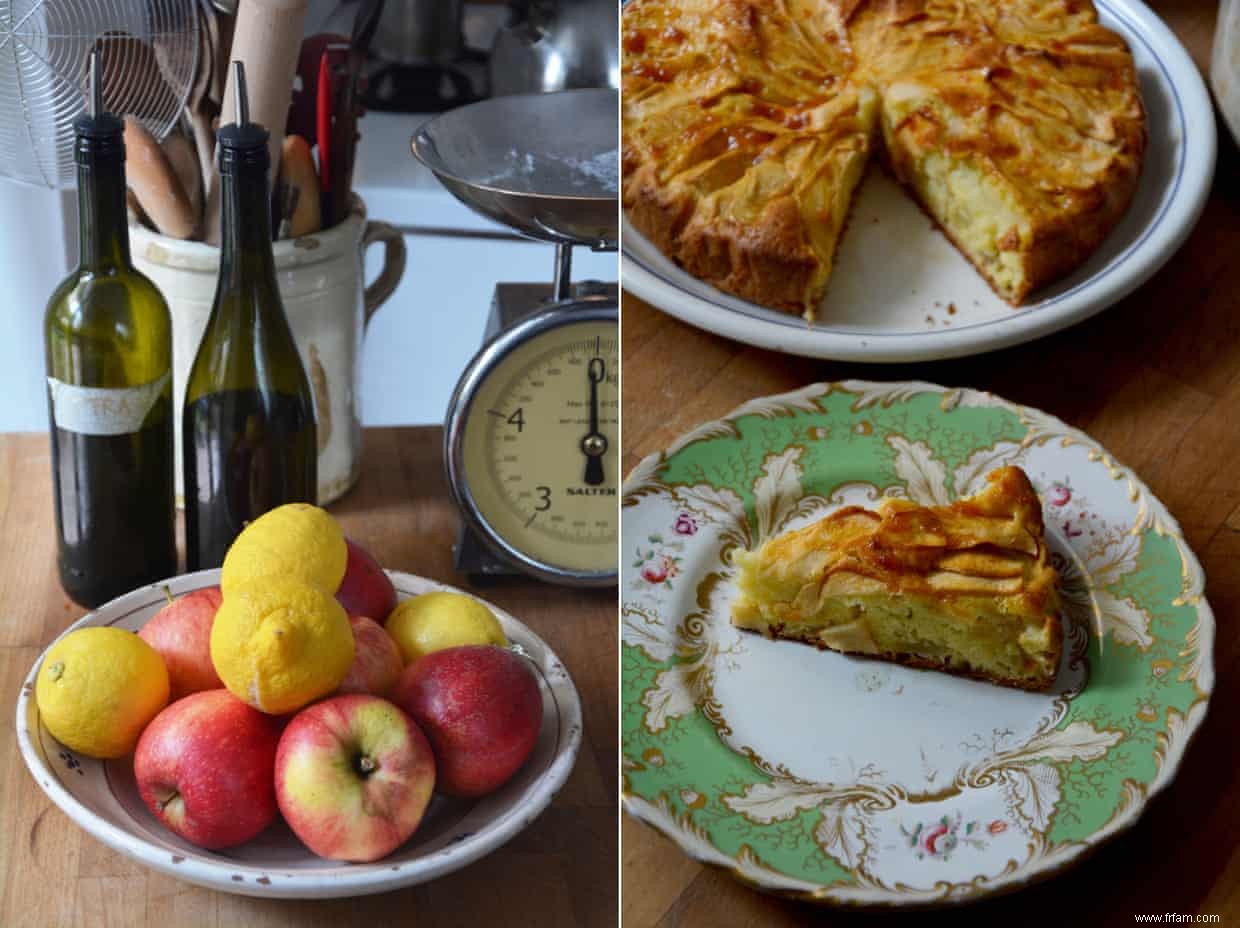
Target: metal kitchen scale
x,y
532,432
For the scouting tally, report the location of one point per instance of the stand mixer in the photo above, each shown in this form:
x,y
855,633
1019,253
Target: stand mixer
x,y
531,436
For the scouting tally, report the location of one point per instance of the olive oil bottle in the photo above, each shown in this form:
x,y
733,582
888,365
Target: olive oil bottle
x,y
109,373
248,426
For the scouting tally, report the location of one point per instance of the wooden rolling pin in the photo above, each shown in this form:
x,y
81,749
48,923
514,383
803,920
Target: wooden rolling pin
x,y
266,39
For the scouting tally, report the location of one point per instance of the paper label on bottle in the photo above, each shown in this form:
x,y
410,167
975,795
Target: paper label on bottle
x,y
103,410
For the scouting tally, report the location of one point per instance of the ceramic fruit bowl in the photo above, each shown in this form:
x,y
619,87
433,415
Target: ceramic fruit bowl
x,y
102,797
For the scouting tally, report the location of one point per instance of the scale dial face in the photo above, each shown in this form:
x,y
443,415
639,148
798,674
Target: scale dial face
x,y
540,449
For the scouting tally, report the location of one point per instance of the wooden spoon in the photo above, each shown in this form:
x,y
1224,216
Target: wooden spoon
x,y
154,182
183,157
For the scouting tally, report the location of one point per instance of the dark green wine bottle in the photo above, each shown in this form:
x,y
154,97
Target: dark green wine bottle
x,y
109,374
248,426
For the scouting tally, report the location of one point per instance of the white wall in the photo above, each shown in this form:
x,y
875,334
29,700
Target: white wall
x,y
418,343
38,244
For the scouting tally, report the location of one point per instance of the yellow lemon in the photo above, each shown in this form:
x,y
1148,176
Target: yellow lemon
x,y
294,540
279,643
98,688
434,621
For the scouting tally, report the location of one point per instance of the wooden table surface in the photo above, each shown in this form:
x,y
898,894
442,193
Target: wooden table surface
x,y
1156,379
560,871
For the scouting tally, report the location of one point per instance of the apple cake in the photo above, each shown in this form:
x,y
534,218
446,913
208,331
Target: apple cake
x,y
966,588
747,124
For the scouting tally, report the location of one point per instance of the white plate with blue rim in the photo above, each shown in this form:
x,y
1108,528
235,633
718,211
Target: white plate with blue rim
x,y
900,292
102,796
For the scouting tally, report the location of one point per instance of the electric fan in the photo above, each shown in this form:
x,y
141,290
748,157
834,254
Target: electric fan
x,y
148,50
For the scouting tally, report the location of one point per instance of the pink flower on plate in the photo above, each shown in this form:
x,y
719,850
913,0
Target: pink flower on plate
x,y
655,572
941,838
1060,494
685,525
938,839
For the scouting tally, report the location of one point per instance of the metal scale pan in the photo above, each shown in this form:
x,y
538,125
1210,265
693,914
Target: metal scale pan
x,y
545,165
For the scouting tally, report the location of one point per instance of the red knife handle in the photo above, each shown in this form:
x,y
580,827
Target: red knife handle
x,y
323,120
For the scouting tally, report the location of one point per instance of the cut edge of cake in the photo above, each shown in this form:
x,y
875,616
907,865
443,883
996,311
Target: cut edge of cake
x,y
1016,249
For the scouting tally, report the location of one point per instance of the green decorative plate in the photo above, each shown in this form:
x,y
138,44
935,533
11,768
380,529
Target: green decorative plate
x,y
851,781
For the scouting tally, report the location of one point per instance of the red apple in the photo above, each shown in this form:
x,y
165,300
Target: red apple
x,y
365,589
354,775
181,633
376,659
481,709
205,767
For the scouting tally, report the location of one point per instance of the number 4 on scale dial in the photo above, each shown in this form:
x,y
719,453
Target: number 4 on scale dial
x,y
517,418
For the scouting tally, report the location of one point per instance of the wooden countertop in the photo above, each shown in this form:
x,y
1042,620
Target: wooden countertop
x,y
560,871
1156,379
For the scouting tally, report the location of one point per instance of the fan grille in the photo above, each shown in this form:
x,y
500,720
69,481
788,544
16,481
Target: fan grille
x,y
149,52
